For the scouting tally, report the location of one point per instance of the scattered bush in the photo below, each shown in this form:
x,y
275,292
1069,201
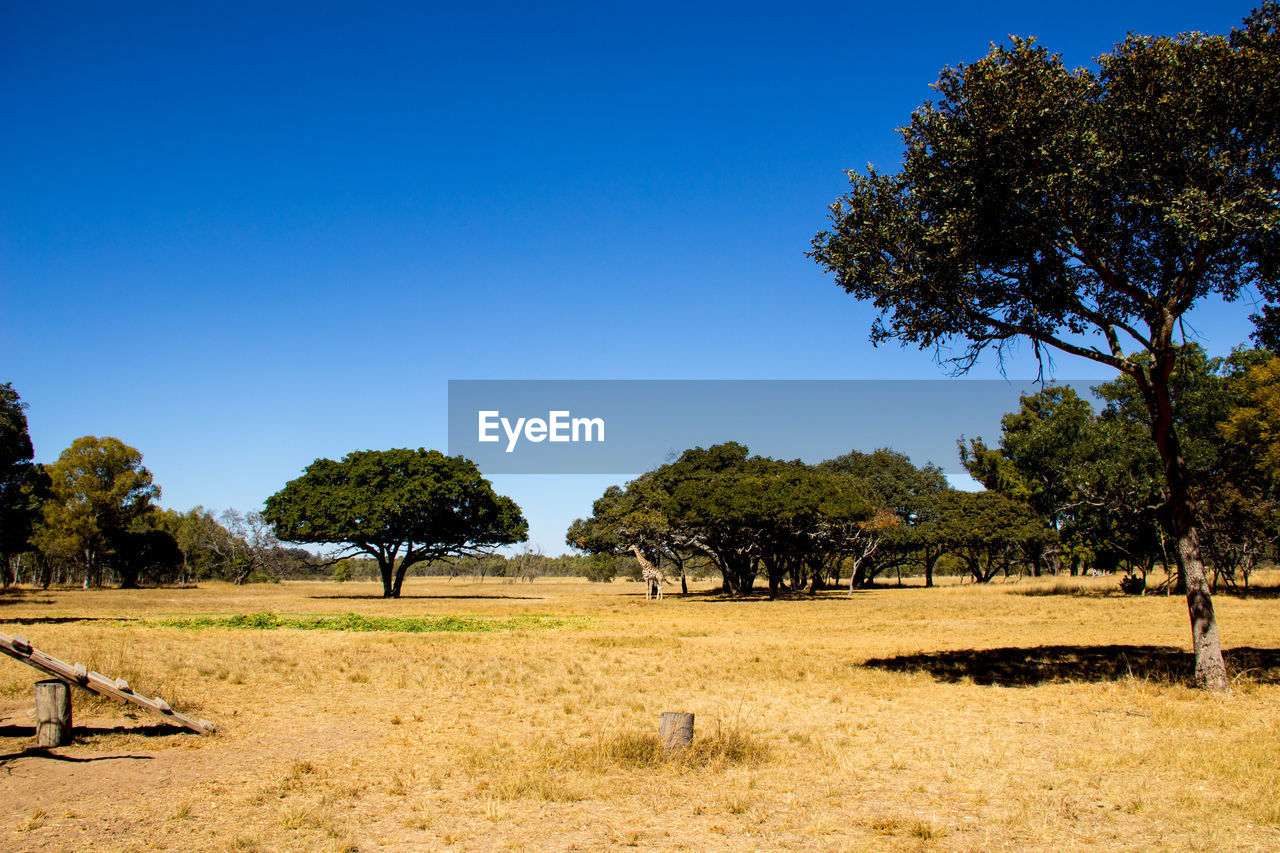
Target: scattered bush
x,y
1133,584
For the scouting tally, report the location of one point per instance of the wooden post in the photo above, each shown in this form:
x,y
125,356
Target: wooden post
x,y
53,713
675,731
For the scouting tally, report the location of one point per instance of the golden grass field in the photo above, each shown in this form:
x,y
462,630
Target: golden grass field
x,y
955,718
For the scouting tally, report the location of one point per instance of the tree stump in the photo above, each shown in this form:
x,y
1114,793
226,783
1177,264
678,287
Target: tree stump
x,y
675,731
53,713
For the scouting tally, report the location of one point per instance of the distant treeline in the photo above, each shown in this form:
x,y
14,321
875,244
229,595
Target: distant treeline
x,y
525,566
1068,489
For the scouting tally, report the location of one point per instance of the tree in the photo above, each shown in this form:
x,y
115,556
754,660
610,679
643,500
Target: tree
x,y
634,516
18,512
988,531
1087,477
1254,423
1240,499
739,513
906,491
197,534
1086,211
100,488
250,549
1266,332
401,507
1234,499
146,552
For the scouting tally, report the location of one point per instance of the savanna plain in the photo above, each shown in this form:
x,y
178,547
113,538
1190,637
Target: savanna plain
x,y
1038,715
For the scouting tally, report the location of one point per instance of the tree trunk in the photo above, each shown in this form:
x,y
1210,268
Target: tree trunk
x,y
817,568
386,570
1211,671
859,577
776,571
739,574
400,572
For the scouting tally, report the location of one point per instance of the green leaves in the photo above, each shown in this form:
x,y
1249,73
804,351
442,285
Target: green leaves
x,y
99,487
399,506
1054,203
19,478
737,511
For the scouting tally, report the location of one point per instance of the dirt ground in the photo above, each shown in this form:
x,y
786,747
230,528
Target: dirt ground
x,y
1047,715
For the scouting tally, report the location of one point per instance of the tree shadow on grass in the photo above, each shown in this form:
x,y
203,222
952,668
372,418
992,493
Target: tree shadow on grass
x,y
762,595
1027,667
61,620
11,598
1249,592
426,597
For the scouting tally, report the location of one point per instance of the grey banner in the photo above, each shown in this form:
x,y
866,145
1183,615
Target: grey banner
x,y
632,426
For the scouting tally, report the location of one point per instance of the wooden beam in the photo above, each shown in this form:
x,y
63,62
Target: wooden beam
x,y
19,648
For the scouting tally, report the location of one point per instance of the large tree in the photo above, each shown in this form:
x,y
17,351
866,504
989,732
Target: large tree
x,y
399,506
910,493
1086,210
1087,477
740,513
18,512
989,532
100,489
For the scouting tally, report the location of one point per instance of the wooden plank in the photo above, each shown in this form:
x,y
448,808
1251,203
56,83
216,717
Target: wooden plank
x,y
78,676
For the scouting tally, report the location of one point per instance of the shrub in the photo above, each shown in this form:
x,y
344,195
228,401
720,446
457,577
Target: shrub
x,y
1133,584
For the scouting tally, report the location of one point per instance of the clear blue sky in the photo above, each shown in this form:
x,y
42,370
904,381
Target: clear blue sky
x,y
240,236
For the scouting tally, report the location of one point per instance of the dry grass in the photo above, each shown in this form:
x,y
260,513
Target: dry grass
x,y
1025,716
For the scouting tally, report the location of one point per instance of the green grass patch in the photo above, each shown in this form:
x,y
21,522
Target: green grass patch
x,y
267,621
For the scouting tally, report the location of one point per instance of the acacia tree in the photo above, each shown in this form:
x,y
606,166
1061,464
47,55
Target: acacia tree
x,y
908,493
635,516
738,513
1084,210
399,506
988,531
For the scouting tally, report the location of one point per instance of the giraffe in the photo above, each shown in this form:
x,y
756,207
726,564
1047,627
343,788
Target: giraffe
x,y
650,574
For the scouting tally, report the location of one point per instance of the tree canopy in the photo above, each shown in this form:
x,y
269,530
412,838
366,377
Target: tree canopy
x,y
740,513
399,506
100,489
19,508
911,493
